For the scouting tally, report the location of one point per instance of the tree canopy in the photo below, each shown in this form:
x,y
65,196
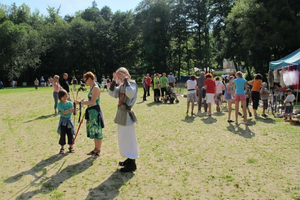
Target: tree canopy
x,y
156,36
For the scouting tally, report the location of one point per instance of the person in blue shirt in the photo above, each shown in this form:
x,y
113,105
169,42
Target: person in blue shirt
x,y
65,126
240,85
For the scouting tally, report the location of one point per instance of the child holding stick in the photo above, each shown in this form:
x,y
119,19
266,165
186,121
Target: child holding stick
x,y
65,125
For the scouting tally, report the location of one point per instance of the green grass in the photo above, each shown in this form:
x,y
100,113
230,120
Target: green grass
x,y
181,157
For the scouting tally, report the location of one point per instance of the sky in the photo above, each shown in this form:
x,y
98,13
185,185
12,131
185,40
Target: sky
x,y
72,6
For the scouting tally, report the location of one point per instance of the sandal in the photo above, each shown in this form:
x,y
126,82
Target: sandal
x,y
71,150
92,152
61,151
97,154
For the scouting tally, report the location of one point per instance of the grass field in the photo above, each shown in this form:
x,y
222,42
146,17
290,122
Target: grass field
x,y
181,157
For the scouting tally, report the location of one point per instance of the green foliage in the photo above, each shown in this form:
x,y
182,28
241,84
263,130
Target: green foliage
x,y
160,36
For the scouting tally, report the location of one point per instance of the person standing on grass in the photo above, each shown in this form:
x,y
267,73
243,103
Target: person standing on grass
x,y
264,95
289,102
171,80
64,83
65,125
255,93
191,85
148,80
200,83
74,83
146,88
93,113
156,88
248,97
36,83
125,118
163,84
210,87
42,81
228,95
219,91
240,85
56,88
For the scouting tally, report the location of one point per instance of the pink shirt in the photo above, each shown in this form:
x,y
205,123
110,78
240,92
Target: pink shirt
x,y
55,87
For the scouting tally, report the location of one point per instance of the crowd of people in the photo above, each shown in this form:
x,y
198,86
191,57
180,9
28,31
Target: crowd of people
x,y
204,90
235,89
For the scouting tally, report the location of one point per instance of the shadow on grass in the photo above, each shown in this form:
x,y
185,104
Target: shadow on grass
x,y
218,113
109,189
209,120
33,172
41,117
53,182
153,103
189,119
241,131
265,120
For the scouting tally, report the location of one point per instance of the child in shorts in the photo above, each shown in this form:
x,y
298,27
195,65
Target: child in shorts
x,y
65,125
288,102
264,96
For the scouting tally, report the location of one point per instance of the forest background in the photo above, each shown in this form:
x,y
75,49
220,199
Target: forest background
x,y
157,36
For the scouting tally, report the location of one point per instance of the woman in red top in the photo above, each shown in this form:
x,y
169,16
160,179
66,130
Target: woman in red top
x,y
210,87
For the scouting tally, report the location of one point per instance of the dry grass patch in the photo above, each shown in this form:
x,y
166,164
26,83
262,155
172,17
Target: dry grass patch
x,y
181,157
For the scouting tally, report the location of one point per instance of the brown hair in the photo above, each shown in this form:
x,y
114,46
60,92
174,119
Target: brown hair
x,y
89,75
193,77
258,76
62,93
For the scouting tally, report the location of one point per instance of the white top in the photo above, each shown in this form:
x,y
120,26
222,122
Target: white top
x,y
191,86
219,86
290,99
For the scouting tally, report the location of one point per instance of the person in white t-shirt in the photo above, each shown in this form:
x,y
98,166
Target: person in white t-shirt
x,y
191,85
288,102
219,91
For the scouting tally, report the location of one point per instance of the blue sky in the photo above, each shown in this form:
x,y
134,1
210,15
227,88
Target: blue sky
x,y
71,6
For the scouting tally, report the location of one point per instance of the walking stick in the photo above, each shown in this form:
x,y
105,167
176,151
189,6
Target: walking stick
x,y
78,128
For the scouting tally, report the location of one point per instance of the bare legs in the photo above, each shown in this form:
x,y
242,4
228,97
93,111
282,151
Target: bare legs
x,y
188,106
237,103
229,110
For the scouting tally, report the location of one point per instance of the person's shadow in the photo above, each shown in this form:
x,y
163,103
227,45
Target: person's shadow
x,y
53,182
209,120
41,166
189,119
41,117
109,189
246,133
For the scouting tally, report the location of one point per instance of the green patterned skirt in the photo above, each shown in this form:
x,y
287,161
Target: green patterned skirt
x,y
93,125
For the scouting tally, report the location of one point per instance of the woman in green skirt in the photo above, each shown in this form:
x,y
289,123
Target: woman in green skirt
x,y
93,113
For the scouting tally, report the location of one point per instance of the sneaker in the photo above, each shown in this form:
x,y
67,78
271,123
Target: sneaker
x,y
229,121
240,114
264,115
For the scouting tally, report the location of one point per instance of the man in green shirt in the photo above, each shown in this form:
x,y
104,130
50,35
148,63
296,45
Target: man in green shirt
x,y
163,84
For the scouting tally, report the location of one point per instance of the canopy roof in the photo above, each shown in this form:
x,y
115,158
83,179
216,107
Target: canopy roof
x,y
292,59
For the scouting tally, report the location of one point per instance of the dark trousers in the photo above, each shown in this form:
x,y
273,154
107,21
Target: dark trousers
x,y
65,131
255,99
148,90
145,92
